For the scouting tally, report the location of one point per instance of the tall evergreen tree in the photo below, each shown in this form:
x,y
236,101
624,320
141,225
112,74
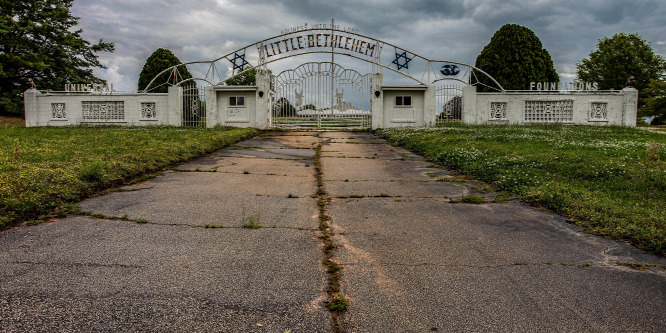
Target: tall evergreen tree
x,y
37,42
160,60
515,57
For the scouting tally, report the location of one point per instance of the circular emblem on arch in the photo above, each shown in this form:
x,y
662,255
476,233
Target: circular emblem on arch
x,y
449,70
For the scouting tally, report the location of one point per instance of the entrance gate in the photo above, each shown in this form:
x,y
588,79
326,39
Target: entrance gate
x,y
449,102
321,94
193,109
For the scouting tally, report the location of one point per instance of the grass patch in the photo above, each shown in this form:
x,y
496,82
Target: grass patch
x,y
609,180
45,167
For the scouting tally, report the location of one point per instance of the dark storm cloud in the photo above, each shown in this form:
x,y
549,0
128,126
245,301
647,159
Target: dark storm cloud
x,y
455,30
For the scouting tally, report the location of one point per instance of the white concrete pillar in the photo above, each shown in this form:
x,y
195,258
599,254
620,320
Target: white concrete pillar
x,y
377,101
263,112
175,114
630,110
430,106
469,104
212,117
31,108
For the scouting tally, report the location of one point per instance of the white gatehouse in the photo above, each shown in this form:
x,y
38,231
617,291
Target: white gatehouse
x,y
329,88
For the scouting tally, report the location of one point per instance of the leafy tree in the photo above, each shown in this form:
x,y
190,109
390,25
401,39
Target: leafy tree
x,y
37,41
309,107
656,103
283,108
160,60
515,57
619,57
247,78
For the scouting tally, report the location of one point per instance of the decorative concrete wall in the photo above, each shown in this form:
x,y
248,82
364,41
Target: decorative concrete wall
x,y
589,108
583,108
46,109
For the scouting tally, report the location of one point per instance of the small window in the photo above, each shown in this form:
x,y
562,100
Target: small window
x,y
237,101
403,100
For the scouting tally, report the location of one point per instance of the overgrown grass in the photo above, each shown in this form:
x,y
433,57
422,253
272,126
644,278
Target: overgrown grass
x,y
43,168
610,180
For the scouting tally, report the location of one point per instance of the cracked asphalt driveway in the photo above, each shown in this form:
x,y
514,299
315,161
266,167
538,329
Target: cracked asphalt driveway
x,y
413,260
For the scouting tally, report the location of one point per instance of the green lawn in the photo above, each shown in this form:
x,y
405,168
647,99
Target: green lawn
x,y
43,168
611,181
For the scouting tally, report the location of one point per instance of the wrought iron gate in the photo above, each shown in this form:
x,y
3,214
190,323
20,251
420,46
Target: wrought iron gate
x,y
449,102
194,106
321,94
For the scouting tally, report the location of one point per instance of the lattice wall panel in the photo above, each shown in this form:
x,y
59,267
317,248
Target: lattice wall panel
x,y
549,111
103,110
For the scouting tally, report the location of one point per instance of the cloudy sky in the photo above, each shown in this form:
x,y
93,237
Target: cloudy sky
x,y
455,30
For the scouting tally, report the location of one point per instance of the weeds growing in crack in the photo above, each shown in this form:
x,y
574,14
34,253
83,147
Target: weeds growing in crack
x,y
126,189
251,222
336,303
639,266
195,170
74,209
472,199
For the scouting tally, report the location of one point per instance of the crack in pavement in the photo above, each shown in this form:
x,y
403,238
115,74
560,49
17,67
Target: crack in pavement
x,y
585,265
76,264
209,226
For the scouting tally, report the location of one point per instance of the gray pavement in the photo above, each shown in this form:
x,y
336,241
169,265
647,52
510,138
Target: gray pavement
x,y
412,260
173,274
415,262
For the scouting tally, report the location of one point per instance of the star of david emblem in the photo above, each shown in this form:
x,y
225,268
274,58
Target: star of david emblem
x,y
405,63
243,62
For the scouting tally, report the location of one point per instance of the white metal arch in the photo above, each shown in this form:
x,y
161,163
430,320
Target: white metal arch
x,y
298,73
336,42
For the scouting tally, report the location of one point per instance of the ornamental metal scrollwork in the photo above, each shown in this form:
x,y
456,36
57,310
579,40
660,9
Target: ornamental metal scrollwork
x,y
148,110
194,110
498,111
299,98
58,111
598,111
